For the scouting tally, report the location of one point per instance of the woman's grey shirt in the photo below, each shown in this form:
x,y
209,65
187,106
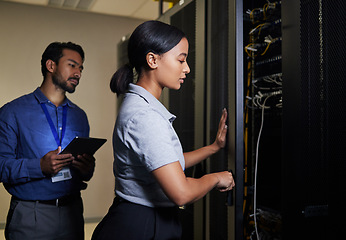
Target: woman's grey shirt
x,y
143,140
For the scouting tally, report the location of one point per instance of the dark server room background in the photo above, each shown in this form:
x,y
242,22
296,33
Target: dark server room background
x,y
278,67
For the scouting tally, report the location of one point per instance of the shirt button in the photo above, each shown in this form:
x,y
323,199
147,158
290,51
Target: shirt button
x,y
60,128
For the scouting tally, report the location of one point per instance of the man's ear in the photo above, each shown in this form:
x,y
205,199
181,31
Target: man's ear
x,y
152,60
50,65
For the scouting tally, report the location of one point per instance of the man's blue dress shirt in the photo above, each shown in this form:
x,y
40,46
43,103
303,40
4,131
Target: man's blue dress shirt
x,y
25,137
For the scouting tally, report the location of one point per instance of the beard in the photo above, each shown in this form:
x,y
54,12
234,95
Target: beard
x,y
60,83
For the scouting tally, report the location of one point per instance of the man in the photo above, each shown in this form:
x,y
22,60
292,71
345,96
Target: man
x,y
45,186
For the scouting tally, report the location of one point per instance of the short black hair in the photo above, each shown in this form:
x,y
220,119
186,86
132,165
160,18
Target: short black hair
x,y
54,53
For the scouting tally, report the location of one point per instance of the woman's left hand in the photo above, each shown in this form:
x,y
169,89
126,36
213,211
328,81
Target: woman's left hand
x,y
220,140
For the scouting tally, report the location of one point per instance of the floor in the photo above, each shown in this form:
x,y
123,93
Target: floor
x,y
89,229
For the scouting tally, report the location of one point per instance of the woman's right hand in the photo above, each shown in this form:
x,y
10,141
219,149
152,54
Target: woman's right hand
x,y
226,181
183,190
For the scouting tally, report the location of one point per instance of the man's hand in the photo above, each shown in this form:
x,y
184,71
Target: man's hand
x,y
85,164
52,162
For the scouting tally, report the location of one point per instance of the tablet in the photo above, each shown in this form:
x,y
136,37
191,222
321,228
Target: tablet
x,y
81,145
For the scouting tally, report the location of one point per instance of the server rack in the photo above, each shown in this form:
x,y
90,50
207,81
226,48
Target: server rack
x,y
262,119
216,60
303,194
314,126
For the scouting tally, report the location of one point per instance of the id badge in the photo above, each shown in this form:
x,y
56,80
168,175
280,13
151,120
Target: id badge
x,y
62,175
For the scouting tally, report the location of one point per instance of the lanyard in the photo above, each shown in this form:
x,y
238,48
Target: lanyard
x,y
51,124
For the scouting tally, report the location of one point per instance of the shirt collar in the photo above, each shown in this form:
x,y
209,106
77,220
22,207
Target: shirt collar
x,y
41,98
148,97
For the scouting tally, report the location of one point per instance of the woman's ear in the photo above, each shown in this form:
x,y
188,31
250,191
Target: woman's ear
x,y
152,60
50,65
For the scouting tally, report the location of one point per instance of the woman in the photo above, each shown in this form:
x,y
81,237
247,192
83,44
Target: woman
x,y
149,162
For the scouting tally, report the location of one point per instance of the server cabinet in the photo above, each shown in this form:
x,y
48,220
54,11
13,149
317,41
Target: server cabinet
x,y
314,130
215,82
